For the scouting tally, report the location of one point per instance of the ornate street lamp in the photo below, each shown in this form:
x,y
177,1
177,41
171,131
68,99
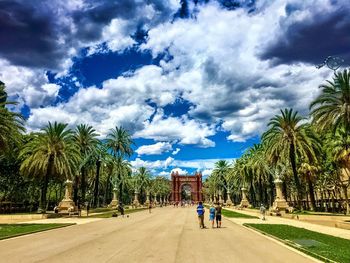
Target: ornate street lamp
x,y
332,63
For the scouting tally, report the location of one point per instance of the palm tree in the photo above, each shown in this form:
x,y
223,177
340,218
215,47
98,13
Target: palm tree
x,y
51,153
119,142
331,109
260,171
11,123
221,169
309,172
122,169
85,137
288,138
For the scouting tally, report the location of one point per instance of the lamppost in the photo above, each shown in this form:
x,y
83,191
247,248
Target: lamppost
x,y
331,62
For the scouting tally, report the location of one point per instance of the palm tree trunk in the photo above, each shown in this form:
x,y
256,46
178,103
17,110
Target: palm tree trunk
x,y
295,173
75,189
272,189
45,184
120,188
260,190
83,185
97,180
311,193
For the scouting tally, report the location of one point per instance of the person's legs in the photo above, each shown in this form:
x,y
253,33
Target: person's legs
x,y
202,221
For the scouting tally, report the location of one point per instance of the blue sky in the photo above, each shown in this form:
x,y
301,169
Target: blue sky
x,y
194,81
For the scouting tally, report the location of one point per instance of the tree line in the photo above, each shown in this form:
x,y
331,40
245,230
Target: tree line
x,y
311,154
34,166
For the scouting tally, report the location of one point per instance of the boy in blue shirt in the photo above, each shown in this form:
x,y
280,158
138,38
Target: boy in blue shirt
x,y
200,212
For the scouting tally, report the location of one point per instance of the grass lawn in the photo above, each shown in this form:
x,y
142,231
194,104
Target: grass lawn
x,y
310,242
111,212
12,230
229,213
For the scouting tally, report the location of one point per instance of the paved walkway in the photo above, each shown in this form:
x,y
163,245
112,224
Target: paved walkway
x,y
338,232
167,235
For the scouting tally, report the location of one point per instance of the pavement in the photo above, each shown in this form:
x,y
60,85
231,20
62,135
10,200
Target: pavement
x,y
313,226
166,235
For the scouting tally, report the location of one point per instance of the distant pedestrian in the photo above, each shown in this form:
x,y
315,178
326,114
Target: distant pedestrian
x,y
212,215
262,211
150,207
218,215
200,212
121,209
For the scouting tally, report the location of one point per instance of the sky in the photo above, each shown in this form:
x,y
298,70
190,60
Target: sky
x,y
193,81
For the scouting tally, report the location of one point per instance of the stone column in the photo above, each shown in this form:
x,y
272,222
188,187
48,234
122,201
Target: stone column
x,y
136,202
147,198
229,201
280,204
244,201
67,202
220,197
155,199
114,203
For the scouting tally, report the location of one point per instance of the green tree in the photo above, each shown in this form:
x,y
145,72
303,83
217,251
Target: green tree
x,y
119,142
11,123
331,109
51,153
85,137
288,138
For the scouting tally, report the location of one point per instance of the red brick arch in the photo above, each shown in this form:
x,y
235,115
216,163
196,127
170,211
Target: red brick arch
x,y
177,182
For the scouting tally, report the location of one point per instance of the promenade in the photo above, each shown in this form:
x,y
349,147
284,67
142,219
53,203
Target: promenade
x,y
166,235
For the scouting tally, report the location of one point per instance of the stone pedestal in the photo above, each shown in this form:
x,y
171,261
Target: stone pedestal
x,y
136,202
155,200
67,205
228,199
280,204
115,202
147,198
244,202
221,201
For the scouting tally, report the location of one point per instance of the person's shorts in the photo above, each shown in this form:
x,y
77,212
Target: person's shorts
x,y
211,217
218,217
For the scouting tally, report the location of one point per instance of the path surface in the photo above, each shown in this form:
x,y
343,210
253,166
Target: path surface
x,y
167,235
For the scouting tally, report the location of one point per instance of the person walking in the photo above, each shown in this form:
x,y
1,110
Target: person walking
x,y
212,215
262,211
200,212
150,207
218,215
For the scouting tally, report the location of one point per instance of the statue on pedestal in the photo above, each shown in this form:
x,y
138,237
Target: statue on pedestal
x,y
244,202
67,205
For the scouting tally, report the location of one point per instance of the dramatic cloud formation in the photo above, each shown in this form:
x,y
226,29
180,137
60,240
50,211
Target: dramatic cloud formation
x,y
231,64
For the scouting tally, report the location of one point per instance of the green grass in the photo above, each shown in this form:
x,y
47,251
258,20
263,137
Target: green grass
x,y
326,246
13,230
111,212
229,213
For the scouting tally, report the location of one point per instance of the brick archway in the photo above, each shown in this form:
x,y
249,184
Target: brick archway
x,y
178,181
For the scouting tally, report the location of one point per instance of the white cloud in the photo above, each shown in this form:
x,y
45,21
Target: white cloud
x,y
151,165
157,148
186,131
176,151
179,171
206,172
30,85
